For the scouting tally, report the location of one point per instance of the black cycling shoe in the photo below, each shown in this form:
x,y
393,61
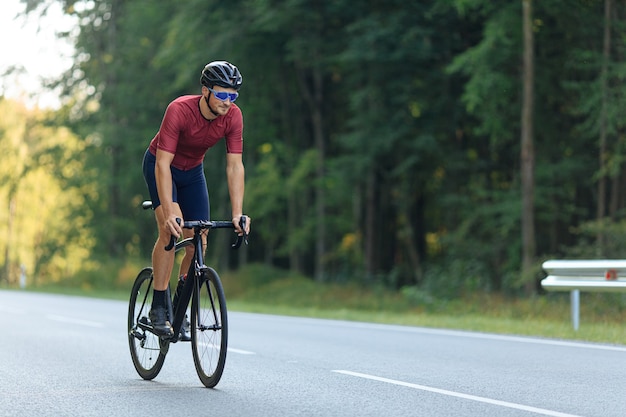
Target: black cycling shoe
x,y
160,323
185,331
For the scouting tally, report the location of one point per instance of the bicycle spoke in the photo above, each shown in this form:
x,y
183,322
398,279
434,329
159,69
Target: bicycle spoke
x,y
209,330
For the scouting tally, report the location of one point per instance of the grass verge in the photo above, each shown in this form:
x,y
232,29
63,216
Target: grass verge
x,y
259,289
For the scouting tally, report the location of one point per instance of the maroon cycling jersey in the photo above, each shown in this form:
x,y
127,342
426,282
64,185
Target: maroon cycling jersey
x,y
188,135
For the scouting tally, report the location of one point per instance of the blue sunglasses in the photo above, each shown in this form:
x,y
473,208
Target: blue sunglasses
x,y
223,96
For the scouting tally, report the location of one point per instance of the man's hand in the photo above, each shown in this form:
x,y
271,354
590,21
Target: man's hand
x,y
173,223
238,229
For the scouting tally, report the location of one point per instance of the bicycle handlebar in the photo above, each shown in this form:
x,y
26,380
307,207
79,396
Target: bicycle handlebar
x,y
207,224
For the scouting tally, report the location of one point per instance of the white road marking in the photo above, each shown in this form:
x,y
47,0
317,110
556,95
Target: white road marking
x,y
523,339
453,333
72,320
241,352
460,395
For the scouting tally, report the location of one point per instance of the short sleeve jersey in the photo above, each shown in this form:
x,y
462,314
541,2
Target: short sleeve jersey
x,y
188,135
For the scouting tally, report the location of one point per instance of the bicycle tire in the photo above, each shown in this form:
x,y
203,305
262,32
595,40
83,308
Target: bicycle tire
x,y
147,350
209,328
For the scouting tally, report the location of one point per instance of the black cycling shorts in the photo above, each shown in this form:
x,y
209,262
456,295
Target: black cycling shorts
x,y
189,189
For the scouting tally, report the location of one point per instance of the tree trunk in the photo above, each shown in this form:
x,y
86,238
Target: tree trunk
x,y
528,153
314,96
115,247
290,122
370,225
7,251
603,151
320,194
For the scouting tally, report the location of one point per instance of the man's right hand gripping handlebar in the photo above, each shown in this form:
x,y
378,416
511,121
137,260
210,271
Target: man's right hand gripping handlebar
x,y
173,238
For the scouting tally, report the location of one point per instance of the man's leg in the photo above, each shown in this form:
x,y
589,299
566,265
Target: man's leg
x,y
189,252
162,265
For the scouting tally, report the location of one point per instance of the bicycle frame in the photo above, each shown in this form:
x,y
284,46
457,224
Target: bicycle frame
x,y
194,274
196,269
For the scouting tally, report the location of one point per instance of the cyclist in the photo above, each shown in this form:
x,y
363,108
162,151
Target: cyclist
x,y
173,171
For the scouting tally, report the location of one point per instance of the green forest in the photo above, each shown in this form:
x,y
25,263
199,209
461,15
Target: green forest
x,y
444,146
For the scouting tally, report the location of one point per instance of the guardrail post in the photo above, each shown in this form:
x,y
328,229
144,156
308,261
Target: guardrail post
x,y
575,299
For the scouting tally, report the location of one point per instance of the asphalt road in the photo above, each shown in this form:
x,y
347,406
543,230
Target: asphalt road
x,y
68,356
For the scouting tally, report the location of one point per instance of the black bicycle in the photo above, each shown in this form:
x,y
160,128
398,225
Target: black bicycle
x,y
209,322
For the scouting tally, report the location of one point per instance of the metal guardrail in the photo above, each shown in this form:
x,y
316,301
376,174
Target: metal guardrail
x,y
598,275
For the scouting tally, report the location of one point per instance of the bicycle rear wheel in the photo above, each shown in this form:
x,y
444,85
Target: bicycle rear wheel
x,y
147,350
209,328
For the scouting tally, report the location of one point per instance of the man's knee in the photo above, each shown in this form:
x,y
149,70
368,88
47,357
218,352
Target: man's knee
x,y
190,251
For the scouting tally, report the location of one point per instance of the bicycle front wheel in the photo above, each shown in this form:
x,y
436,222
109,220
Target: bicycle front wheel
x,y
209,328
147,350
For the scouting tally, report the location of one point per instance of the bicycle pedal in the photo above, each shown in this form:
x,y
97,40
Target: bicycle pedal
x,y
144,324
137,335
168,338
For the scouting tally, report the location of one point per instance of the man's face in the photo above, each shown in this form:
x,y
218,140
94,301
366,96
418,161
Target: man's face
x,y
221,107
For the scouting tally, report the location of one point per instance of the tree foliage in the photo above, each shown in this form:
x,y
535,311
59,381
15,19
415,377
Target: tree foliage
x,y
45,185
382,139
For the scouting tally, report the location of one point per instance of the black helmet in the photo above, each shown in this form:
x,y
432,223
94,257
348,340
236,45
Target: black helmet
x,y
221,73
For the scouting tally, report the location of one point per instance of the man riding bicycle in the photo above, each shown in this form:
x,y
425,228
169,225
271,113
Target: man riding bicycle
x,y
174,173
